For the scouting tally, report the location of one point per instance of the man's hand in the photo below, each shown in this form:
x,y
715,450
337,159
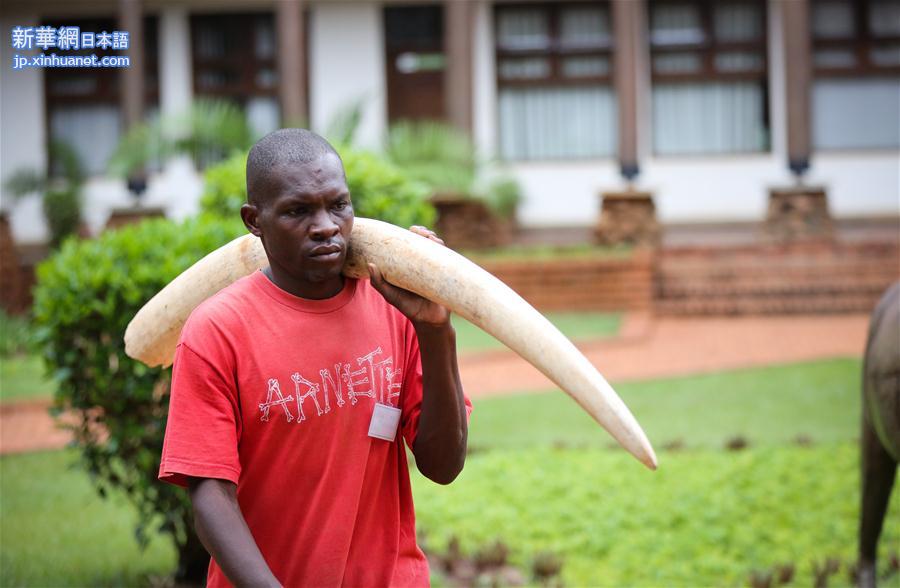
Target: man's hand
x,y
420,311
440,444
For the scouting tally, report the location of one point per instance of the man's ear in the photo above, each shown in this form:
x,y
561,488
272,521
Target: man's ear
x,y
250,216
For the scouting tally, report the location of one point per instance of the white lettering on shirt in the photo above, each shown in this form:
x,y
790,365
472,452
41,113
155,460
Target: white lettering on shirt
x,y
377,380
311,390
275,390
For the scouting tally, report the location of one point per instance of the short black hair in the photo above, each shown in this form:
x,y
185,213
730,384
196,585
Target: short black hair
x,y
284,146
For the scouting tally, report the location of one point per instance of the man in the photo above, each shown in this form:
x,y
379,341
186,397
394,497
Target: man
x,y
290,386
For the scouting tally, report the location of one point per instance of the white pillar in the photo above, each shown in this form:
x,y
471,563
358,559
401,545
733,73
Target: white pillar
x,y
176,88
24,137
179,187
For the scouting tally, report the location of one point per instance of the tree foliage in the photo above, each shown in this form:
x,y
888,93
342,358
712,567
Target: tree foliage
x,y
86,295
378,189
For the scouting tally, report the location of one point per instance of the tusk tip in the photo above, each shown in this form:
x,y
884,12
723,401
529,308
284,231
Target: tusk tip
x,y
646,456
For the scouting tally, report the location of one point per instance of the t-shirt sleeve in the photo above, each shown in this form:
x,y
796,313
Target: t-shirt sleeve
x,y
412,389
203,427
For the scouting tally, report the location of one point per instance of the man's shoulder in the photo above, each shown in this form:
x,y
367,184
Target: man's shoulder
x,y
224,308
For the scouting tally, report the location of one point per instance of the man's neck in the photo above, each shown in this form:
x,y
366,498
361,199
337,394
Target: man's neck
x,y
311,290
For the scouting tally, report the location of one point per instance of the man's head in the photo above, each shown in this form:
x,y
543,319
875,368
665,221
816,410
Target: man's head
x,y
299,205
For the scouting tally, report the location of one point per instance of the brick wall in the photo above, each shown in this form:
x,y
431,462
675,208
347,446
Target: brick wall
x,y
14,291
580,284
813,278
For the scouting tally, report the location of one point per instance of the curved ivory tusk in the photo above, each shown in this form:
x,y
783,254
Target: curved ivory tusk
x,y
426,268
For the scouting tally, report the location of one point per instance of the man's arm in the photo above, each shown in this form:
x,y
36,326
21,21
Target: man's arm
x,y
224,532
440,445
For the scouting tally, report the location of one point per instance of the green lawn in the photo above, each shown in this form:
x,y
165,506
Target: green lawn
x,y
575,325
767,406
542,478
56,531
705,518
22,377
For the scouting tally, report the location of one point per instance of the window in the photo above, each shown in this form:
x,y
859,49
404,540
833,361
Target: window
x,y
83,103
709,76
554,68
234,59
856,60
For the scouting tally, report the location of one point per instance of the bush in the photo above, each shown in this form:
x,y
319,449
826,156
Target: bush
x,y
60,191
86,295
378,189
381,190
225,187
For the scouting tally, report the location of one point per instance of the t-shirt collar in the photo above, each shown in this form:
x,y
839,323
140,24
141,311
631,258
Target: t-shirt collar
x,y
337,301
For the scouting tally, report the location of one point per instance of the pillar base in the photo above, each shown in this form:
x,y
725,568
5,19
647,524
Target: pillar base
x,y
128,216
798,215
464,222
628,218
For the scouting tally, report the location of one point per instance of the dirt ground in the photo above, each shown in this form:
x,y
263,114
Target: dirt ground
x,y
646,348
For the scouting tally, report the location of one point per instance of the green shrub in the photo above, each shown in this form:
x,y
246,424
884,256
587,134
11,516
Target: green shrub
x,y
60,190
381,190
433,153
378,189
86,295
209,131
225,187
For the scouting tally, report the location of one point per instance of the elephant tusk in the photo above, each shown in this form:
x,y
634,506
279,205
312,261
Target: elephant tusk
x,y
421,266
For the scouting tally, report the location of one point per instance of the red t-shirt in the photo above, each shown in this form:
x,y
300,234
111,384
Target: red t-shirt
x,y
275,393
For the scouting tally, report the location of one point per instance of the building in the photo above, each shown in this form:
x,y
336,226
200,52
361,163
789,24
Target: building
x,y
707,104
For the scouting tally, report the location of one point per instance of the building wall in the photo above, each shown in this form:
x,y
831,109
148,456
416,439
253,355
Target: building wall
x,y
347,66
23,140
686,188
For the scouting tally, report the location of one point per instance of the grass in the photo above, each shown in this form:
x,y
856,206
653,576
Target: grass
x,y
544,480
575,325
56,531
22,377
766,406
705,518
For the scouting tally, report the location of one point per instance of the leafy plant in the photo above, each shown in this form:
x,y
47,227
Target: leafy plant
x,y
86,294
225,187
378,189
436,154
383,191
342,127
60,190
445,159
208,132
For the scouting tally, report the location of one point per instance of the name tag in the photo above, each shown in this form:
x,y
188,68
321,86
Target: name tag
x,y
385,420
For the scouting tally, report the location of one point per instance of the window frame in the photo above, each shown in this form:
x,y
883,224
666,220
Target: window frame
x,y
861,43
109,80
241,56
555,52
709,48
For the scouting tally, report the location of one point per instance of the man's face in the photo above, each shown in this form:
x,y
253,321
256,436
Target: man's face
x,y
304,217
